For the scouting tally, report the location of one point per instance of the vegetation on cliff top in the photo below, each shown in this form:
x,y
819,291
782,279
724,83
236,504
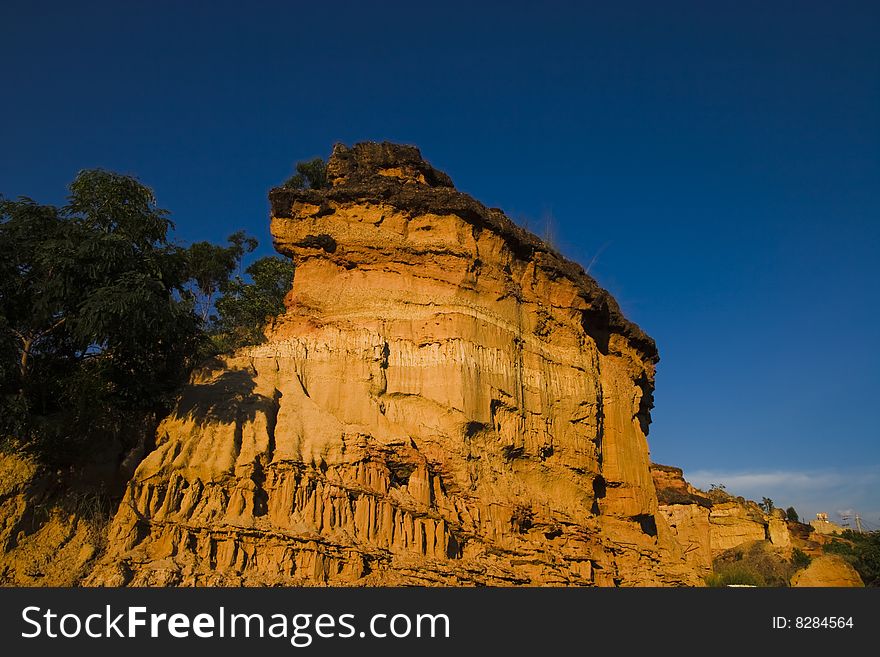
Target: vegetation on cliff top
x,y
311,174
102,317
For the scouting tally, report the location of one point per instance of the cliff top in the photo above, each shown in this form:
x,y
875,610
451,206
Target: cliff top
x,y
399,176
672,488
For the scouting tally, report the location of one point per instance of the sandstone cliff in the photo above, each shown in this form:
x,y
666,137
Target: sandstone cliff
x,y
707,524
446,401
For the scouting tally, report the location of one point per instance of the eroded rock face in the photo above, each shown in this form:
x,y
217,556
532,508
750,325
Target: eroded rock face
x,y
686,512
731,524
446,401
707,524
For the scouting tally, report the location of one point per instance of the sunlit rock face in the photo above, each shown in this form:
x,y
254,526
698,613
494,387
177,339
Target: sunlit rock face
x,y
707,524
446,401
827,570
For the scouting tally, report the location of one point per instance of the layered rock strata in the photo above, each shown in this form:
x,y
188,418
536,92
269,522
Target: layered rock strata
x,y
707,524
446,401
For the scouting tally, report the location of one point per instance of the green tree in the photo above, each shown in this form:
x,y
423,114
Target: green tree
x,y
102,318
244,307
210,267
766,505
792,515
311,174
93,334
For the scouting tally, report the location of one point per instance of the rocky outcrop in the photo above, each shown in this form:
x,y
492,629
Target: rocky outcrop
x,y
686,512
827,570
707,524
733,523
446,401
777,530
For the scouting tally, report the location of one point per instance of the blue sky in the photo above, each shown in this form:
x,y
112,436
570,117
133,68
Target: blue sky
x,y
718,163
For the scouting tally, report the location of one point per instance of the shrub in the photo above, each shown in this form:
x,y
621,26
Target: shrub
x,y
310,174
800,559
735,573
522,518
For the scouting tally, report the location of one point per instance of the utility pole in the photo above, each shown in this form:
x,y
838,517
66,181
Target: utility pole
x,y
859,523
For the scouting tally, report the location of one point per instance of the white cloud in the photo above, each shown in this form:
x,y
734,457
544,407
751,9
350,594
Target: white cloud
x,y
834,491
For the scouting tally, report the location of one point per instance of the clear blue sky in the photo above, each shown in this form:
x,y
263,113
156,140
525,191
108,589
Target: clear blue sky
x,y
721,160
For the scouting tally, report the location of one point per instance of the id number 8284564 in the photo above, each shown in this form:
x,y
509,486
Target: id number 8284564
x,y
813,622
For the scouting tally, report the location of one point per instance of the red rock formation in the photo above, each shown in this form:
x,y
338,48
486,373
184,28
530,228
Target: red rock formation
x,y
446,401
